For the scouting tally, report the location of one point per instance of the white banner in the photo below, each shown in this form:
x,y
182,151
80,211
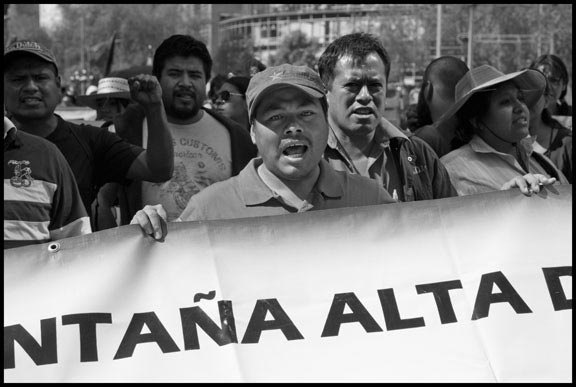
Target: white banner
x,y
467,289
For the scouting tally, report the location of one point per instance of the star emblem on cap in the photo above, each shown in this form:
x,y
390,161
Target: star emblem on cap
x,y
276,75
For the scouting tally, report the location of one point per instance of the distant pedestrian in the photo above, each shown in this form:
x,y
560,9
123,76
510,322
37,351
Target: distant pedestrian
x,y
230,100
436,97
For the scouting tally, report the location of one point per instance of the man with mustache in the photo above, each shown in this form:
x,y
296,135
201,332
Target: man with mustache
x,y
287,112
207,146
355,70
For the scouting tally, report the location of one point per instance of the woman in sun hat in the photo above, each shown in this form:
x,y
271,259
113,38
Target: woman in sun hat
x,y
493,111
110,99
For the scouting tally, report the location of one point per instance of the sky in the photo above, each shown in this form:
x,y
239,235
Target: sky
x,y
49,15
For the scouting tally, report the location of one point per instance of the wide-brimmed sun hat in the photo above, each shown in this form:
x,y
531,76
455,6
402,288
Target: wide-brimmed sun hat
x,y
531,82
107,88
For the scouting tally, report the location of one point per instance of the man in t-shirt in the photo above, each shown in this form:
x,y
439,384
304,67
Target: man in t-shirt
x,y
32,90
207,146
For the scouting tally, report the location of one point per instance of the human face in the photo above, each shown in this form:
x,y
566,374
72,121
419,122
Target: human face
x,y
507,115
183,85
357,94
108,108
555,82
290,131
31,89
233,108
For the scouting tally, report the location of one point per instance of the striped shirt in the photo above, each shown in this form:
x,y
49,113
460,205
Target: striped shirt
x,y
41,199
477,167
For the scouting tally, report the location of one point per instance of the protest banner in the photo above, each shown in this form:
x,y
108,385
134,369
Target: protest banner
x,y
467,289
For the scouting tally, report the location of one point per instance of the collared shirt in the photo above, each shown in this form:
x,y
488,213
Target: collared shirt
x,y
8,125
408,168
382,166
246,195
477,167
282,191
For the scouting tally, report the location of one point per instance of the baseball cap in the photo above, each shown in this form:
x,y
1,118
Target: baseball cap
x,y
273,78
28,46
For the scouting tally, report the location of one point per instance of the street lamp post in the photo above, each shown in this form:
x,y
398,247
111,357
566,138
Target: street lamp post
x,y
470,20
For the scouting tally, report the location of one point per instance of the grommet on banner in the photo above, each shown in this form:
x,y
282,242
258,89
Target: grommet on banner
x,y
54,247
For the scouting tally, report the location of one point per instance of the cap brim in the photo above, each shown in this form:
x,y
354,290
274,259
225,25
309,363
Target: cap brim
x,y
90,100
276,86
38,54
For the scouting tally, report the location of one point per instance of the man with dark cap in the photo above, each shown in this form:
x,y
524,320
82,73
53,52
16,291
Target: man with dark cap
x,y
32,90
287,110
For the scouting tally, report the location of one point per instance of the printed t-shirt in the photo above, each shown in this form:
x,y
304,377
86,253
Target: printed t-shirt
x,y
202,156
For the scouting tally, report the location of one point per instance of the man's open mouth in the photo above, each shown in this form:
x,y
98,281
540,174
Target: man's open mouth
x,y
295,150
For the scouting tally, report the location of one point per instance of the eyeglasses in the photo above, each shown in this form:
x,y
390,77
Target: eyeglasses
x,y
224,95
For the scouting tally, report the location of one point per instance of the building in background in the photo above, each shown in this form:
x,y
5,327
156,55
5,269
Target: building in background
x,y
267,24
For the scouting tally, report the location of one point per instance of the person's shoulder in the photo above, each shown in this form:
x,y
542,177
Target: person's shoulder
x,y
422,148
458,153
227,122
80,127
426,131
350,179
36,142
43,150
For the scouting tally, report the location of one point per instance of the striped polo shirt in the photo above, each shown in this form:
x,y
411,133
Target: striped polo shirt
x,y
41,199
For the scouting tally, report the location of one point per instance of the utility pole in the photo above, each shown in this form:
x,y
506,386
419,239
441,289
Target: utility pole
x,y
82,42
438,30
539,37
471,18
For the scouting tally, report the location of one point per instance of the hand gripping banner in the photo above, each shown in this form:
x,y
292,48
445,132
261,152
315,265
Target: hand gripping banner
x,y
468,289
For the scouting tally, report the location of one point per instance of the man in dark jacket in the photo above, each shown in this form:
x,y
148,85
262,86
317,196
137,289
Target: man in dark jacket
x,y
207,147
355,70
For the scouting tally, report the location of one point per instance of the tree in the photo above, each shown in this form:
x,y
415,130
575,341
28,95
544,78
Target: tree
x,y
231,56
138,26
298,50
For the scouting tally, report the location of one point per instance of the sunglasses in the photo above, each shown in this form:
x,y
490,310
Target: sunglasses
x,y
224,96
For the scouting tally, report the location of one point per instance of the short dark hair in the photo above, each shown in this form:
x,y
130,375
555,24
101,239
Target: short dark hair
x,y
448,70
357,45
241,83
181,45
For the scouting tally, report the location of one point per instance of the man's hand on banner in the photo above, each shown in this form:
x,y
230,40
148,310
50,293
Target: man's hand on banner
x,y
152,219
